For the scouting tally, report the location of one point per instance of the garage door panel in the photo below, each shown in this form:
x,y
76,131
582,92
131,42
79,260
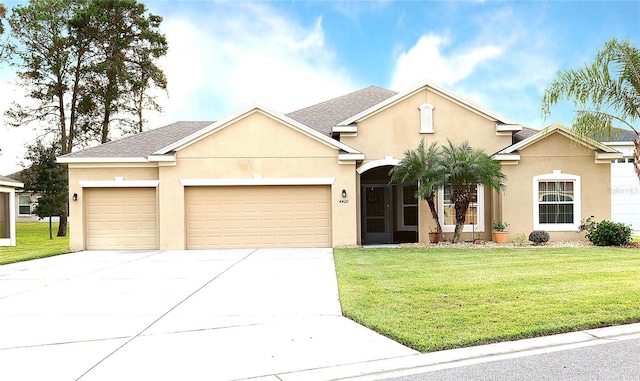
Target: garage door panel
x,y
266,216
120,218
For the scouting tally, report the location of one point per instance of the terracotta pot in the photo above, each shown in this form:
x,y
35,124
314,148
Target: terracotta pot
x,y
434,237
500,237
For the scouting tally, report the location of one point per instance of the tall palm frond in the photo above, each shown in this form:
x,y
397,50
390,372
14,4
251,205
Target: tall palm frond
x,y
422,167
606,92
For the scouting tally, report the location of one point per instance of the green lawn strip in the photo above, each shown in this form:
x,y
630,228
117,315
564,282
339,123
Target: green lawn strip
x,y
434,299
32,242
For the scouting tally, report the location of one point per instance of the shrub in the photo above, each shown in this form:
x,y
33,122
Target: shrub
x,y
606,233
539,237
519,239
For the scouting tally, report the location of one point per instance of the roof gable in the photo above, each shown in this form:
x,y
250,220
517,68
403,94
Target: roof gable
x,y
603,153
426,84
208,130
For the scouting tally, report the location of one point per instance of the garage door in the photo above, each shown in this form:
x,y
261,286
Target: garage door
x,y
120,218
260,216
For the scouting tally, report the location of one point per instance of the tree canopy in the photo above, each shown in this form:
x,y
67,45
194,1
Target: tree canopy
x,y
606,93
48,179
80,61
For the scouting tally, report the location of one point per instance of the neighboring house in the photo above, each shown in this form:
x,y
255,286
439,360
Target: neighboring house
x,y
625,186
320,177
7,210
26,202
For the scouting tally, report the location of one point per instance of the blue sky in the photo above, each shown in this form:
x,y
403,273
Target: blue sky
x,y
290,54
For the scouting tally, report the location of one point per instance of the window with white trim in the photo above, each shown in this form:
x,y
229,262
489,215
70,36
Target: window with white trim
x,y
407,208
24,205
426,118
556,202
474,219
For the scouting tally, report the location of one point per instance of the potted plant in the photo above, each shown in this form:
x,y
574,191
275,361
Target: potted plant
x,y
500,235
434,237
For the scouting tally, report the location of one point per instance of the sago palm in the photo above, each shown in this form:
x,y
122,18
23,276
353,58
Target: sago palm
x,y
464,167
422,166
606,92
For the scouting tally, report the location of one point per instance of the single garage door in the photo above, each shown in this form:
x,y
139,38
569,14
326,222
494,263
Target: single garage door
x,y
258,216
120,218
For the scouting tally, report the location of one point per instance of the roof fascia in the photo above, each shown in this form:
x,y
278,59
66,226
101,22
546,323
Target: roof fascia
x,y
188,140
11,184
78,160
418,87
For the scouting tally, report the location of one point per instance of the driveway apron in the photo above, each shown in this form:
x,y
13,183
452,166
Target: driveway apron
x,y
192,315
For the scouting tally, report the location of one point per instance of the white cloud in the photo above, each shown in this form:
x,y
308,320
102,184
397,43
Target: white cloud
x,y
426,60
249,54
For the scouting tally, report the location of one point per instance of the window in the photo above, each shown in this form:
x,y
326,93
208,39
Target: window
x,y
24,205
474,219
556,202
407,208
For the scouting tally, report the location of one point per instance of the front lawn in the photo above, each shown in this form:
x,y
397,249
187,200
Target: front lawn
x,y
32,241
434,299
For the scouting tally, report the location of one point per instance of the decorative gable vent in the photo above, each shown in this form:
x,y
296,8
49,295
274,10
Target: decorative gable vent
x,y
426,118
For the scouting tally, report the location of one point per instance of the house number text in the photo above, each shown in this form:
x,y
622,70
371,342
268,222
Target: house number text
x,y
343,201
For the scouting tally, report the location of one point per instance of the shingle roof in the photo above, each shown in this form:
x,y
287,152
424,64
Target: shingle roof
x,y
9,180
322,117
143,144
523,134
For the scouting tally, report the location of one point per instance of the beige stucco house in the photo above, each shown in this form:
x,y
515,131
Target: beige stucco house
x,y
319,177
7,210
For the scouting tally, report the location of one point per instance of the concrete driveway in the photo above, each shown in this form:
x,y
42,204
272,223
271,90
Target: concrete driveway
x,y
178,315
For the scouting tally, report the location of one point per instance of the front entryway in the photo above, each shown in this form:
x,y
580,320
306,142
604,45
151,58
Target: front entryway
x,y
389,212
377,214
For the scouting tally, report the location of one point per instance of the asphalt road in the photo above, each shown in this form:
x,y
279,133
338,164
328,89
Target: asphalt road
x,y
619,360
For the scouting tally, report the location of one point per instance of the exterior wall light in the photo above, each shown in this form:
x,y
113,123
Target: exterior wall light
x,y
344,193
75,197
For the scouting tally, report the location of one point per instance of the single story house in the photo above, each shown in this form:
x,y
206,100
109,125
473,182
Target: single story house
x,y
319,177
7,210
26,203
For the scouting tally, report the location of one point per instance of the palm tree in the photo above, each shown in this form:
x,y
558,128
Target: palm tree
x,y
422,166
606,91
464,168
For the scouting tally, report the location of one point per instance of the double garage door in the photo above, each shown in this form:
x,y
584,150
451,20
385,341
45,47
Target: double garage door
x,y
216,217
258,216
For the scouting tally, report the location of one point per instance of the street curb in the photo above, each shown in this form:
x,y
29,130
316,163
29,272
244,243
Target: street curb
x,y
429,362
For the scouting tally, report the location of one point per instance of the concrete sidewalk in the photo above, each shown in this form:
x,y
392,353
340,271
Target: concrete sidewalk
x,y
190,315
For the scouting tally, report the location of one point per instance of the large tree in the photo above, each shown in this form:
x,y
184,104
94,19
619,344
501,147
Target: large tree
x,y
49,180
606,93
125,44
422,166
464,168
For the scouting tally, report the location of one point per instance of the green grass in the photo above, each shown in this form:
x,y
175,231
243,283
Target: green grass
x,y
32,241
434,299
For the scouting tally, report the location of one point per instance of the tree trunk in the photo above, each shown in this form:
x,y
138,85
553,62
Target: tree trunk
x,y
636,156
62,227
461,207
50,228
431,201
